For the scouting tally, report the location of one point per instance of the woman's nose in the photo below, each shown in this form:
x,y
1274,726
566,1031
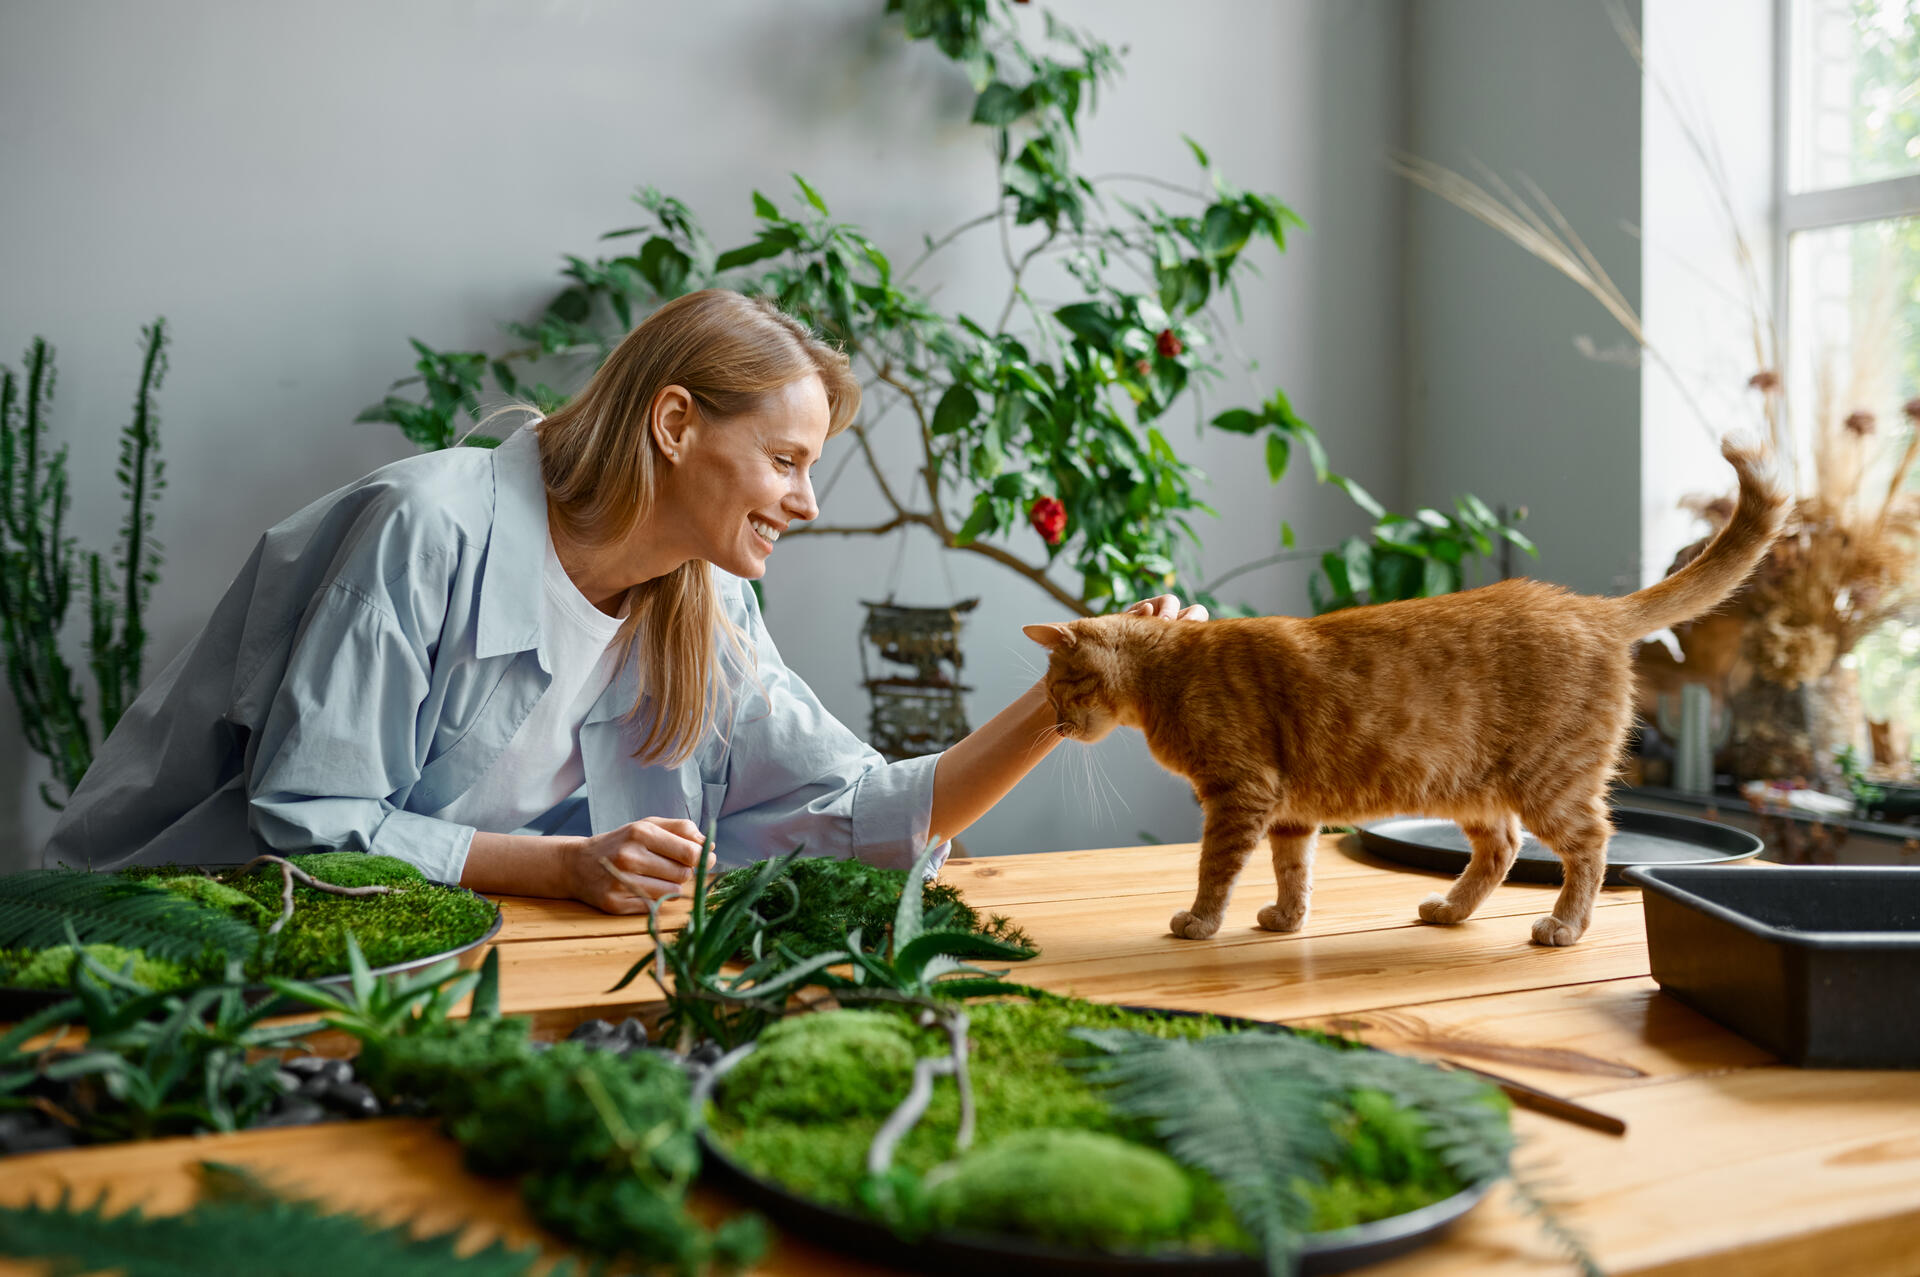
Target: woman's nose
x,y
800,503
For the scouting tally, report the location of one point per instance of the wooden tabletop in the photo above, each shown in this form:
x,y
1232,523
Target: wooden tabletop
x,y
1731,1164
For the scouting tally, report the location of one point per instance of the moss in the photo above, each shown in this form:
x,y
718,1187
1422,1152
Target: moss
x,y
217,895
414,920
838,895
1071,1188
1023,1082
53,968
829,1067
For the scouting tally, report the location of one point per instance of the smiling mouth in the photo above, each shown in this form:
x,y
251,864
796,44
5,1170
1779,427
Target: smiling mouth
x,y
765,531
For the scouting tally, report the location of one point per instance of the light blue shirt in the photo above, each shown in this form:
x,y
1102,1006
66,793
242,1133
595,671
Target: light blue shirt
x,y
377,653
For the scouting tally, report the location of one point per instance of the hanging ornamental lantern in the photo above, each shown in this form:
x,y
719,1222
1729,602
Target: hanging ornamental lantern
x,y
910,665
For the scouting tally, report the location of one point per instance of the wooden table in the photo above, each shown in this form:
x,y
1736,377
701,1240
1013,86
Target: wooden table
x,y
1732,1166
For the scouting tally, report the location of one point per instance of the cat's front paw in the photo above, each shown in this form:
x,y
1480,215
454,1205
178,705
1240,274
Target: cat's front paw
x,y
1553,932
1282,917
1438,909
1189,926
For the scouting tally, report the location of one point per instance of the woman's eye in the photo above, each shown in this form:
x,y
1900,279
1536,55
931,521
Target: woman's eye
x,y
785,463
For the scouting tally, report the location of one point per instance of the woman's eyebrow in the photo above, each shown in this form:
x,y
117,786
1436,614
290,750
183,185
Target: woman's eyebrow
x,y
793,446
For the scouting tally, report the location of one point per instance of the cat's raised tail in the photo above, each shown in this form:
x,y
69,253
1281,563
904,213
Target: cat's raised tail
x,y
1727,561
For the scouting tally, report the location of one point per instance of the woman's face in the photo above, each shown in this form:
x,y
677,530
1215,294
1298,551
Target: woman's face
x,y
737,485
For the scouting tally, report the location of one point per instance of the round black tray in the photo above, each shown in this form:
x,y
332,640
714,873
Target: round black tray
x,y
1640,837
18,1004
971,1253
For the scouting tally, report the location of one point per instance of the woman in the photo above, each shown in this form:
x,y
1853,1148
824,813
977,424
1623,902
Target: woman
x,y
520,669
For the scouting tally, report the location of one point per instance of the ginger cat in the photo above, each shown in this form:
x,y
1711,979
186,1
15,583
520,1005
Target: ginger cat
x,y
1492,707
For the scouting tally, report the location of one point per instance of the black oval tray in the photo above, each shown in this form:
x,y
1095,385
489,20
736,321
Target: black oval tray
x,y
1640,837
18,1004
970,1253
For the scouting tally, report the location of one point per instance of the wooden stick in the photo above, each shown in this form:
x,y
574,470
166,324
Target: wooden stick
x,y
289,872
1532,1097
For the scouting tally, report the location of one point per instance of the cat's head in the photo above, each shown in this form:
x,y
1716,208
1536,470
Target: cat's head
x,y
1088,675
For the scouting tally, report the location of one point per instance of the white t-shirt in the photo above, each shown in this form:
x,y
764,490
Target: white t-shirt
x,y
541,767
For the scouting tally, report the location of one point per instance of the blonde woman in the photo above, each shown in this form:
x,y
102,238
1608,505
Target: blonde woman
x,y
539,670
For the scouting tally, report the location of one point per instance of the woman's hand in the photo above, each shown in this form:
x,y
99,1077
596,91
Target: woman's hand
x,y
626,869
1168,607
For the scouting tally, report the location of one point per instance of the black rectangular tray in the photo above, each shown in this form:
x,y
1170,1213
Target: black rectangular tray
x,y
1819,964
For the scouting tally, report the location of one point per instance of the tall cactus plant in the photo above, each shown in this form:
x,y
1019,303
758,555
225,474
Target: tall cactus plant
x,y
38,560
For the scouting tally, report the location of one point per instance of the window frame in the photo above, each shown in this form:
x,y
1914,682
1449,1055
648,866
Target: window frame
x,y
1824,207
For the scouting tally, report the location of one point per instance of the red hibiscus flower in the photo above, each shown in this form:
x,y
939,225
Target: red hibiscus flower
x,y
1049,519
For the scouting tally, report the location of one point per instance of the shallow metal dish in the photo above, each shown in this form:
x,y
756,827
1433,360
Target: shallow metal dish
x,y
971,1253
1640,837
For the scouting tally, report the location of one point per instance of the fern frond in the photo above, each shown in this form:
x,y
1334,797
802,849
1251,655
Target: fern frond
x,y
240,1227
38,906
1262,1129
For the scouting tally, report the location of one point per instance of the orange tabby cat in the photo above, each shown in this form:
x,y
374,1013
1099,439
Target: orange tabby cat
x,y
1492,707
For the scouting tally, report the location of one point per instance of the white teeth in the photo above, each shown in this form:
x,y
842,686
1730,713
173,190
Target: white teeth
x,y
765,530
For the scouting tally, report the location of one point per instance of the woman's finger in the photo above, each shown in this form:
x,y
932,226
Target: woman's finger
x,y
667,843
1194,613
637,884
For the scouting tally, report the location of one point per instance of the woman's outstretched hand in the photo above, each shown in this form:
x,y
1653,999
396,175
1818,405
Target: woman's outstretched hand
x,y
1168,607
626,869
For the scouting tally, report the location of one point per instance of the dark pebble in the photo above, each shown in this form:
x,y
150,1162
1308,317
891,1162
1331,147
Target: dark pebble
x,y
706,1055
293,1110
331,1073
591,1032
32,1132
319,1068
356,1099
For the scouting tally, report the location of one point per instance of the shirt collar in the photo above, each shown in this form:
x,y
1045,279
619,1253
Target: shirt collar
x,y
516,550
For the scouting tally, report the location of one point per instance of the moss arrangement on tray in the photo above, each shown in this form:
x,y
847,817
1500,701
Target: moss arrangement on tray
x,y
830,899
170,927
1054,1160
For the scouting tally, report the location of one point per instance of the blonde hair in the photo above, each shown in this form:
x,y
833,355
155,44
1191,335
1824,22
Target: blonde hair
x,y
601,466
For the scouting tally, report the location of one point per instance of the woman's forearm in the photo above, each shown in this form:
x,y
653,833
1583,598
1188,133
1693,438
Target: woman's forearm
x,y
979,771
519,865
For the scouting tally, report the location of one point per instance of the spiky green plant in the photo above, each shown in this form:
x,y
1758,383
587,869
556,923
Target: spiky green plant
x,y
237,1226
37,561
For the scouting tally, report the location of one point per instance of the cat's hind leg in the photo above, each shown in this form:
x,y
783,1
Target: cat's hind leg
x,y
1293,875
1233,826
1578,834
1495,844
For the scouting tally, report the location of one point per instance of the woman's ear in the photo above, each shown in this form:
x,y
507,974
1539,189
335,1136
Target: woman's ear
x,y
1055,636
673,417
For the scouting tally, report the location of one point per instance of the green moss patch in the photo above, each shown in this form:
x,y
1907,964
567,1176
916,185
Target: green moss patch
x,y
835,896
1029,1099
414,920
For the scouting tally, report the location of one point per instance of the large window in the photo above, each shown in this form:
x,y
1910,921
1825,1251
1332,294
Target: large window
x,y
1848,174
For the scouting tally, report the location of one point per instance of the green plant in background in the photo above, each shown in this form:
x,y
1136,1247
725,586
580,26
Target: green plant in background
x,y
1056,426
38,558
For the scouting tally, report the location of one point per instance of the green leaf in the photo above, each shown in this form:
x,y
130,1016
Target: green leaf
x,y
1091,322
486,994
1238,420
764,208
573,305
1360,496
999,105
955,411
747,254
1439,578
906,919
1199,153
1286,535
1276,457
978,522
665,266
813,196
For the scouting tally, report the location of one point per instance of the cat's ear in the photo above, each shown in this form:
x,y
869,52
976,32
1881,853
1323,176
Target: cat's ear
x,y
1055,636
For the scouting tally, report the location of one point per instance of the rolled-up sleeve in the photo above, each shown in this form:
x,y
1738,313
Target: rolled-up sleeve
x,y
340,741
797,775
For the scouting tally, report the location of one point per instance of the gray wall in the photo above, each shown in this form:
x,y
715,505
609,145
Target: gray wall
x,y
300,189
1500,402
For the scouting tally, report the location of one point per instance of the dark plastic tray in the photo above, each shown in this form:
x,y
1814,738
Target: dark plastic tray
x,y
18,1004
1819,964
1640,837
969,1254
